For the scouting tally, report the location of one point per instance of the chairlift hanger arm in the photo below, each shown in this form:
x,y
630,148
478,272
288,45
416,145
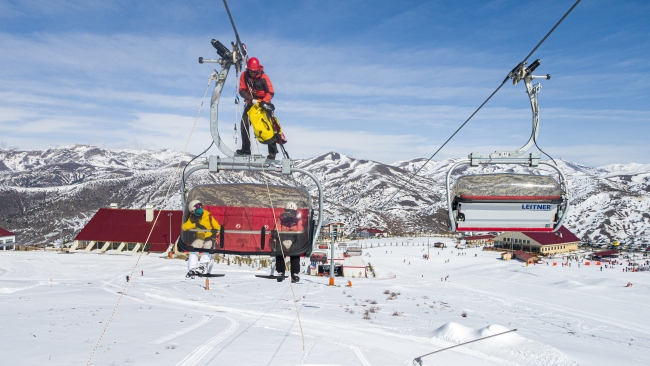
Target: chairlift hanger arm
x,y
228,58
520,65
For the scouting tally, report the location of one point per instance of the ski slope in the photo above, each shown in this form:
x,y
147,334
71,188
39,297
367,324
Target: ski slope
x,y
55,307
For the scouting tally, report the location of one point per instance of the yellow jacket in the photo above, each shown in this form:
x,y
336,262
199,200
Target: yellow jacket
x,y
205,222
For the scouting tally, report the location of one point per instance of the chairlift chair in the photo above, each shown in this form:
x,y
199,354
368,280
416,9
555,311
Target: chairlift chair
x,y
249,226
254,218
509,202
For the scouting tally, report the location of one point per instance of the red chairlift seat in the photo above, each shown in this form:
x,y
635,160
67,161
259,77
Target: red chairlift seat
x,y
249,225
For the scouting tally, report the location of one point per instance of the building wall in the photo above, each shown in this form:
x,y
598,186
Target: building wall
x,y
559,248
326,230
8,240
519,241
516,241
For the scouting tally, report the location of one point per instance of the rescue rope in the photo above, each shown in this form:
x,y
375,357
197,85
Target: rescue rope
x,y
171,183
481,106
275,220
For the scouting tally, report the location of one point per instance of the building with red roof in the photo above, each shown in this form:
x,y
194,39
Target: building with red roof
x,y
562,241
525,257
478,239
606,254
130,230
370,232
7,238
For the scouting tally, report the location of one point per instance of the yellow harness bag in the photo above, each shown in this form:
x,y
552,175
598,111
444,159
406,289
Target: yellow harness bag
x,y
262,126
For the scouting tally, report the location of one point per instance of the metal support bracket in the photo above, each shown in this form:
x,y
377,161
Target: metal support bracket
x,y
286,166
503,157
213,164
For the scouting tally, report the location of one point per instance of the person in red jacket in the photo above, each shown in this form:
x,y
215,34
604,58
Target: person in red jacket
x,y
255,84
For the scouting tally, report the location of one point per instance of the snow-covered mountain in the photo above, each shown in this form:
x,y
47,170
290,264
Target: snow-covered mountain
x,y
42,190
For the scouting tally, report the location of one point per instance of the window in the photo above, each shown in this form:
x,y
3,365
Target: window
x,y
10,240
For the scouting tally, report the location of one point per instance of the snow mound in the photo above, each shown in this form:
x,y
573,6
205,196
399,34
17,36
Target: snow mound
x,y
512,346
458,333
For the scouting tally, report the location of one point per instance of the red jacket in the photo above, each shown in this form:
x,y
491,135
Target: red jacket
x,y
261,87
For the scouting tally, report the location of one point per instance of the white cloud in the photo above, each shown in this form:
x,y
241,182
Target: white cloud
x,y
125,90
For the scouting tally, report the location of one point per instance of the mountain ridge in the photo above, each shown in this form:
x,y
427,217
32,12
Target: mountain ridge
x,y
66,185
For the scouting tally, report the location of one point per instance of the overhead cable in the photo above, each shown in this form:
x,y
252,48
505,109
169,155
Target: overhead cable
x,y
413,175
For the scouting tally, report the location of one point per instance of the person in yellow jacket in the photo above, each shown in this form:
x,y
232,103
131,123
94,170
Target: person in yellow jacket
x,y
206,228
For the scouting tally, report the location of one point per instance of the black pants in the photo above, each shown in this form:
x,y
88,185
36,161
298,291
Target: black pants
x,y
244,126
294,262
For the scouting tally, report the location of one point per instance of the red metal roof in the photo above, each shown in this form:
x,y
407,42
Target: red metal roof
x,y
4,232
119,225
605,253
522,255
562,236
479,237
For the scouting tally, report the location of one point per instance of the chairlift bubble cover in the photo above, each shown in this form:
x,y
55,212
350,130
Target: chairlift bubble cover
x,y
506,202
244,210
507,187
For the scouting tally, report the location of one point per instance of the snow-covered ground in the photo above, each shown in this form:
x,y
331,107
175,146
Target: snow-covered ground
x,y
53,309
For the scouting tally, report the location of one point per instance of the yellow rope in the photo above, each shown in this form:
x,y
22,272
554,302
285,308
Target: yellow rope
x,y
171,183
275,220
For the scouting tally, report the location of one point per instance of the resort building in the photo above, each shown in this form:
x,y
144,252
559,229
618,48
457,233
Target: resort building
x,y
562,241
332,227
371,233
129,230
7,239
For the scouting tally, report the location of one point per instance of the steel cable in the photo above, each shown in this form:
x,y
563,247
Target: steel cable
x,y
171,183
413,175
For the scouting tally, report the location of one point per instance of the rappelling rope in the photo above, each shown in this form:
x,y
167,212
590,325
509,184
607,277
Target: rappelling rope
x,y
171,183
275,221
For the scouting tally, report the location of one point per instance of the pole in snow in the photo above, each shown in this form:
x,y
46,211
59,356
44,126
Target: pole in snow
x,y
332,232
170,227
61,229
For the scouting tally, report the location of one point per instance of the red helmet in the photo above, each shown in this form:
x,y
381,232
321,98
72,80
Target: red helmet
x,y
253,66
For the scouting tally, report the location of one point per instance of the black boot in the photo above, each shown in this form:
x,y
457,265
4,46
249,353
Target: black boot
x,y
271,157
281,278
294,278
242,152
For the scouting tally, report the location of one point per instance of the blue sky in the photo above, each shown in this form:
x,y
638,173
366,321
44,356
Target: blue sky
x,y
380,80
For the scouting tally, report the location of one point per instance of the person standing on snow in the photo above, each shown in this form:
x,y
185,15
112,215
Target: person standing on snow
x,y
289,221
255,84
206,228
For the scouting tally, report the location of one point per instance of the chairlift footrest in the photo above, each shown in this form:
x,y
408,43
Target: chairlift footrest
x,y
271,277
209,275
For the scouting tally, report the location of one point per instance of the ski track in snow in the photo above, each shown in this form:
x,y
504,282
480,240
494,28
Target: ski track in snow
x,y
326,329
571,311
195,356
332,336
206,319
360,356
